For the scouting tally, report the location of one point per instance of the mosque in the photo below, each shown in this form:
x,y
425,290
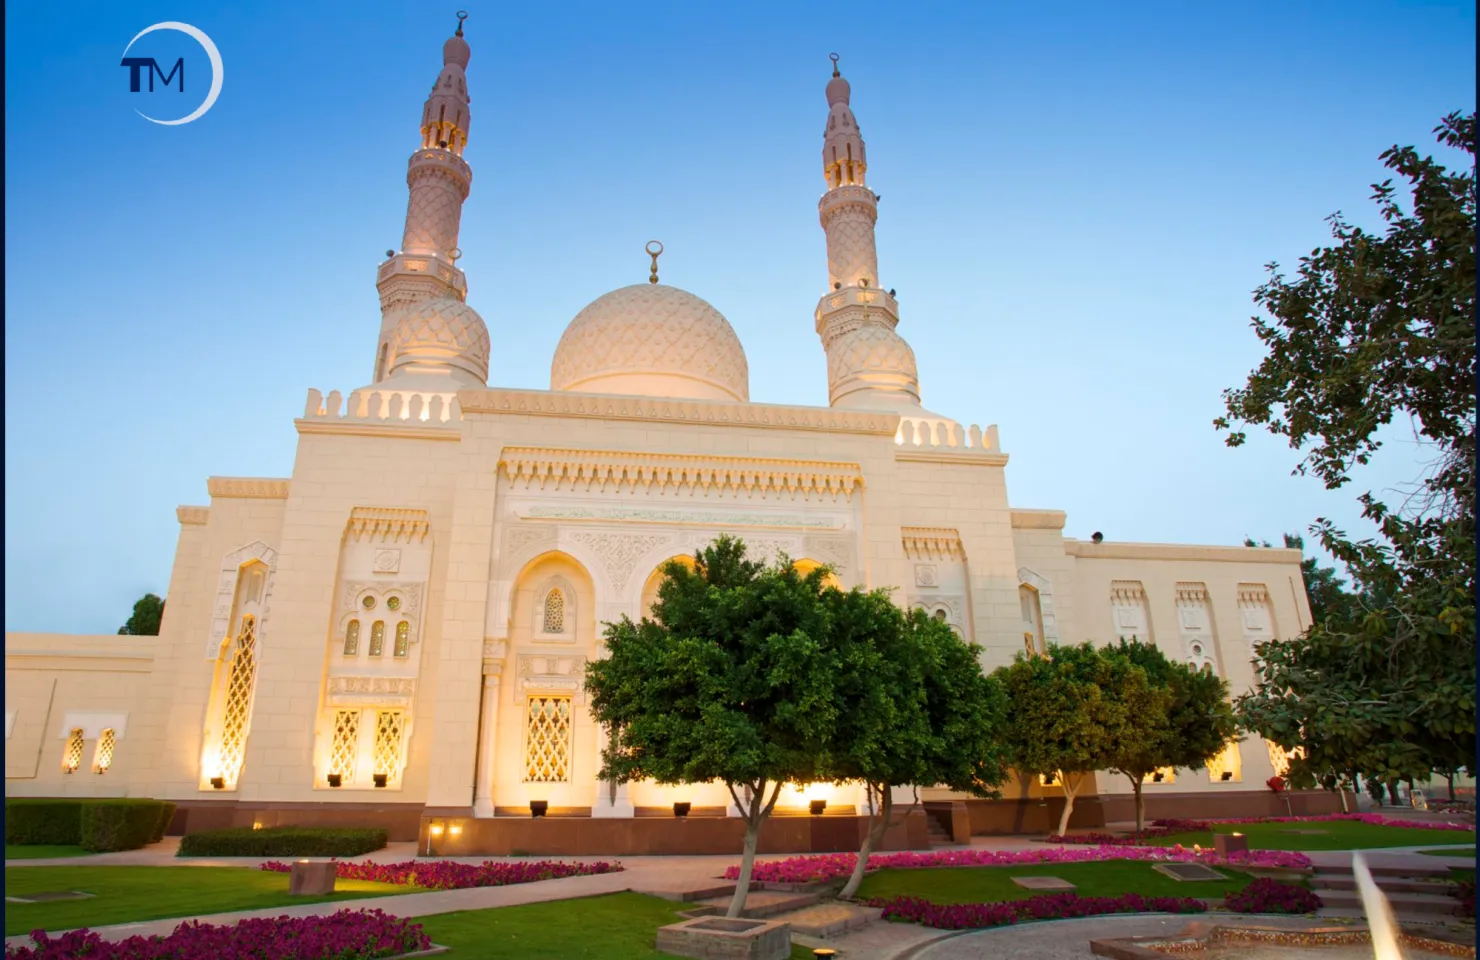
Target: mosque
x,y
396,634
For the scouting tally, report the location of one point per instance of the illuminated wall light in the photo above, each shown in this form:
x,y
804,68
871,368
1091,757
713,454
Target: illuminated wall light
x,y
437,829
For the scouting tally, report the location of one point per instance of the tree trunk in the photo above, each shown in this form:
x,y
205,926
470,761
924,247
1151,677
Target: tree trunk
x,y
1070,788
878,823
1140,804
755,814
1450,778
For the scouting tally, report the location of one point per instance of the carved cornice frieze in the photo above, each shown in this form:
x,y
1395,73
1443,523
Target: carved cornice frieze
x,y
1253,594
248,488
388,524
1127,591
371,691
659,515
613,472
1192,592
718,413
196,515
932,543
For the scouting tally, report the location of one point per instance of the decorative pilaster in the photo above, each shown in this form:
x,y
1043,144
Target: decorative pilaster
x,y
487,737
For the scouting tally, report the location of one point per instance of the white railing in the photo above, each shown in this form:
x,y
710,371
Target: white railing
x,y
939,433
409,406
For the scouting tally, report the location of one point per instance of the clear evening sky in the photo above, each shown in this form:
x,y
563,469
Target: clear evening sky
x,y
1078,199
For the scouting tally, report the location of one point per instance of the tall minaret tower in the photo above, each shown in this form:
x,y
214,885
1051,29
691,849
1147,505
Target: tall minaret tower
x,y
425,267
868,364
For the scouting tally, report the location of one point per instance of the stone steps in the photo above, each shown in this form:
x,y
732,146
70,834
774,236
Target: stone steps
x,y
827,920
759,904
701,891
1388,885
1403,904
1438,871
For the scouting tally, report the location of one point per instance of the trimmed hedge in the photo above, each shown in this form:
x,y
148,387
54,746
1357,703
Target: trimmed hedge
x,y
35,820
282,842
99,825
120,824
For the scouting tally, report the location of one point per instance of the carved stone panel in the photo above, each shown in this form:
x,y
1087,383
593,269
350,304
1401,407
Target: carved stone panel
x,y
347,691
619,552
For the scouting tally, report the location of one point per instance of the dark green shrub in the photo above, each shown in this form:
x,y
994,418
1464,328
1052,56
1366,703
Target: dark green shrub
x,y
33,820
282,842
119,824
165,816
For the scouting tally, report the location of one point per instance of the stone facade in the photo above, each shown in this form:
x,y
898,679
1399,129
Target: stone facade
x,y
400,628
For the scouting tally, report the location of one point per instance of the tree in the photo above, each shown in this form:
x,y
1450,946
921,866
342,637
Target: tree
x,y
1323,585
148,612
1186,722
916,709
731,679
1376,328
1063,718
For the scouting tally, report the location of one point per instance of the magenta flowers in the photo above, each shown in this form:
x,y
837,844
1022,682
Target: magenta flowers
x,y
445,875
834,865
1059,906
1271,896
346,935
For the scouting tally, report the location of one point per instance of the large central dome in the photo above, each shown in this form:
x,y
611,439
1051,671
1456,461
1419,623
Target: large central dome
x,y
655,341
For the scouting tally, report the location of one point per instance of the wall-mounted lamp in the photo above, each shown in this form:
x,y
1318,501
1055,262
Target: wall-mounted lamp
x,y
218,783
681,809
381,779
538,808
1227,775
335,779
455,830
257,825
817,806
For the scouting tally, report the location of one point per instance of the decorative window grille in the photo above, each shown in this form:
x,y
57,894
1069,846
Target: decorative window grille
x,y
103,757
346,743
1227,762
547,740
1161,775
377,638
554,612
241,679
1280,759
352,638
403,638
72,753
389,726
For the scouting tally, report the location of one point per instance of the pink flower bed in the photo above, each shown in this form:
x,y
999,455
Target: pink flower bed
x,y
1375,819
346,935
445,875
1059,906
831,866
1271,896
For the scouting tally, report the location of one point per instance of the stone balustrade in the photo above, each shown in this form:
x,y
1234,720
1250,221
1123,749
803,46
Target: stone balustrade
x,y
384,405
940,433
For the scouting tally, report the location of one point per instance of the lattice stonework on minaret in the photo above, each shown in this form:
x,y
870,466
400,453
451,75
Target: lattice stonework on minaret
x,y
390,725
547,744
346,743
239,686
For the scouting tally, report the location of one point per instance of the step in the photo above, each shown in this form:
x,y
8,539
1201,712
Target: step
x,y
700,891
759,904
1386,870
1402,903
1385,884
825,920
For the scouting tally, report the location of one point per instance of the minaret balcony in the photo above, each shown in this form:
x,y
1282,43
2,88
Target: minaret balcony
x,y
846,308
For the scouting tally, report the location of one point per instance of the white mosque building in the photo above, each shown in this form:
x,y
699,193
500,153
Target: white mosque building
x,y
396,634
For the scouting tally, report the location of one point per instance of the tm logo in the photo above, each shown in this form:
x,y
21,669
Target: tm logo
x,y
141,67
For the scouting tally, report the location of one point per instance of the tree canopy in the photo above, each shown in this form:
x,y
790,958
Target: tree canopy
x,y
144,622
1324,586
1377,328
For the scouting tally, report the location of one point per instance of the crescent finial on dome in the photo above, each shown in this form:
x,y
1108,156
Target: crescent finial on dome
x,y
655,254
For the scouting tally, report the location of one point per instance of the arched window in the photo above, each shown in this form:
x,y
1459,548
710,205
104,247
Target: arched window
x,y
1032,607
103,757
72,753
554,621
403,639
939,615
352,638
377,638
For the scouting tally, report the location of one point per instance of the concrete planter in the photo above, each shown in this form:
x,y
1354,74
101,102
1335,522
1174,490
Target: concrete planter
x,y
724,938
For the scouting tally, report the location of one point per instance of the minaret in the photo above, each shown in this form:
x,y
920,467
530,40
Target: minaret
x,y
425,268
868,364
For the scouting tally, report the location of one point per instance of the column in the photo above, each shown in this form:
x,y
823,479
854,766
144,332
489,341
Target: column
x,y
487,737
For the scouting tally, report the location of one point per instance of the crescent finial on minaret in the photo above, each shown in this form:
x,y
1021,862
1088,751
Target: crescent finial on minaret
x,y
461,16
834,58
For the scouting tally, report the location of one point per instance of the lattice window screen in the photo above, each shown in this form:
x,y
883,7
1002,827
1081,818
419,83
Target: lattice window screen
x,y
554,612
242,678
1229,761
352,638
1168,775
403,638
346,743
377,638
547,742
1280,759
103,757
389,727
72,753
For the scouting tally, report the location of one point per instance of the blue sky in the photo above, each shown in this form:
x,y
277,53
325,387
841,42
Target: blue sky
x,y
1078,199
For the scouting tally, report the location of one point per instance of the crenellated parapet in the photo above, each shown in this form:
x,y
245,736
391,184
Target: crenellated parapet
x,y
384,407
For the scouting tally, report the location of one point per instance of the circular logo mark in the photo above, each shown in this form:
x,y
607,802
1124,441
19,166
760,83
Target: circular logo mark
x,y
217,71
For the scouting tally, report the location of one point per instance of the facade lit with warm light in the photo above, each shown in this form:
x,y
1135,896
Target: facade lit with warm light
x,y
397,633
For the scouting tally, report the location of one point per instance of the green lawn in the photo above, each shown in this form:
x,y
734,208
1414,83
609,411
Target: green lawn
x,y
40,851
126,894
1106,878
1333,835
617,926
1453,852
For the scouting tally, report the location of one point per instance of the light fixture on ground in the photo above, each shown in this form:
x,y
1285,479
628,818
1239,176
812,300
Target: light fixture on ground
x,y
681,808
381,779
335,779
817,807
218,783
538,808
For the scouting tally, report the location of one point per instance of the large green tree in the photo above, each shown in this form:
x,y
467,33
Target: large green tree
x,y
1186,722
731,679
1376,328
1323,585
148,613
915,707
1065,716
